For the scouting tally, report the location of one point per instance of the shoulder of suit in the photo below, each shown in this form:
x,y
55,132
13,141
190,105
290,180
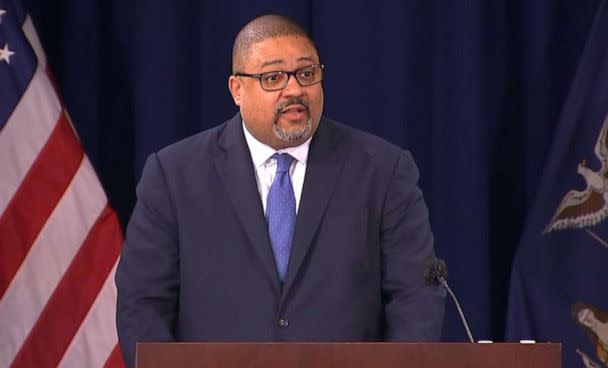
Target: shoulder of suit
x,y
360,139
196,143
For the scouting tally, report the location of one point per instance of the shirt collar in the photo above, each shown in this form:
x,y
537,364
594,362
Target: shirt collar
x,y
260,152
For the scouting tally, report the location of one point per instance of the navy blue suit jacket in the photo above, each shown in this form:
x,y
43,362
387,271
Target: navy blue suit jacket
x,y
197,263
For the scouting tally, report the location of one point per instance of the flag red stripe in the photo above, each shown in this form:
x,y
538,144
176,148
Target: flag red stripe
x,y
115,359
74,296
34,201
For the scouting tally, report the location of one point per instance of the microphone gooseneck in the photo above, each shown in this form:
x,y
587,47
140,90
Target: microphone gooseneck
x,y
436,273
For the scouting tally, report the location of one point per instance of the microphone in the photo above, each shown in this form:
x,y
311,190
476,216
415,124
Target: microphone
x,y
436,273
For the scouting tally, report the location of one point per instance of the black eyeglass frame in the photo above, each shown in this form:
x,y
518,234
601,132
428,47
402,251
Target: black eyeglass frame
x,y
259,76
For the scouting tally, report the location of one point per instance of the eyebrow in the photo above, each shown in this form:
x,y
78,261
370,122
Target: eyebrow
x,y
281,61
272,62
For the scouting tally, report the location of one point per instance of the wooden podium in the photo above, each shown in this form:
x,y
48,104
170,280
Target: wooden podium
x,y
343,355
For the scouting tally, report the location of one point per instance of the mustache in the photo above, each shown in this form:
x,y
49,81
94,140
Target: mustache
x,y
292,101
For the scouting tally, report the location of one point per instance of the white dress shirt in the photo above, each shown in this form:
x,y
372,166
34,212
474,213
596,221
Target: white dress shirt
x,y
266,167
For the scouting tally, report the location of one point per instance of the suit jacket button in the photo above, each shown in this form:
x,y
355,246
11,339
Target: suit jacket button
x,y
283,322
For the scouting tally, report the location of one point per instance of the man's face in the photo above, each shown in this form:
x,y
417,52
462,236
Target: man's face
x,y
283,118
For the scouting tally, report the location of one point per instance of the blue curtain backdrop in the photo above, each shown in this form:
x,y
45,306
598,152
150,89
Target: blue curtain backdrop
x,y
473,88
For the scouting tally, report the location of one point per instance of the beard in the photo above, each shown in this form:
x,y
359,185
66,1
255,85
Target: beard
x,y
290,136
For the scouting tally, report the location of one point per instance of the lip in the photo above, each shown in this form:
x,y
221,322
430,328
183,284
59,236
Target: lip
x,y
295,115
294,109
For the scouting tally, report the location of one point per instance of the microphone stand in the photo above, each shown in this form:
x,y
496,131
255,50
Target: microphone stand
x,y
443,282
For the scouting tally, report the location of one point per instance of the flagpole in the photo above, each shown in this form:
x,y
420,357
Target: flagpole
x,y
596,237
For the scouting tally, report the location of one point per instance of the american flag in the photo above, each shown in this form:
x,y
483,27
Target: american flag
x,y
59,238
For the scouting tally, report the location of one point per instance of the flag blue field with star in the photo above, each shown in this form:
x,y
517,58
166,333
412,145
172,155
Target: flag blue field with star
x,y
17,60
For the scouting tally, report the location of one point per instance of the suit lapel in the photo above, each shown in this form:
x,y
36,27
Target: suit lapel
x,y
322,170
235,169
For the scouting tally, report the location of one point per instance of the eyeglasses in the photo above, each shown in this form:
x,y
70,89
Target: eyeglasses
x,y
277,80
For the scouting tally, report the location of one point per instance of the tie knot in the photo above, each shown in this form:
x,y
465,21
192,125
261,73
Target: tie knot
x,y
284,161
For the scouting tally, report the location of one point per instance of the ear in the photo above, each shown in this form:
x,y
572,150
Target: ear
x,y
234,85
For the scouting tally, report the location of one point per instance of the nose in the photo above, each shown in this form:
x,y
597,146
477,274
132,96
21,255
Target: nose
x,y
293,87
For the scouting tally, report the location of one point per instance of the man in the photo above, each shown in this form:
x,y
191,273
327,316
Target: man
x,y
278,225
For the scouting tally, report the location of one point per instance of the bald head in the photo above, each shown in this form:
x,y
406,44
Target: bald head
x,y
260,29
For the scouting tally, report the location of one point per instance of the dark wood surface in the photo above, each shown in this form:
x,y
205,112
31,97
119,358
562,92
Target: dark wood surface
x,y
338,355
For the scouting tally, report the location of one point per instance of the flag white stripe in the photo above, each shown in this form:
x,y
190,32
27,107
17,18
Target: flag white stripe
x,y
96,337
32,37
49,258
25,134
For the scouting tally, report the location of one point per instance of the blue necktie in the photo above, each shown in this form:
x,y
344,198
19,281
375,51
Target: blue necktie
x,y
281,213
